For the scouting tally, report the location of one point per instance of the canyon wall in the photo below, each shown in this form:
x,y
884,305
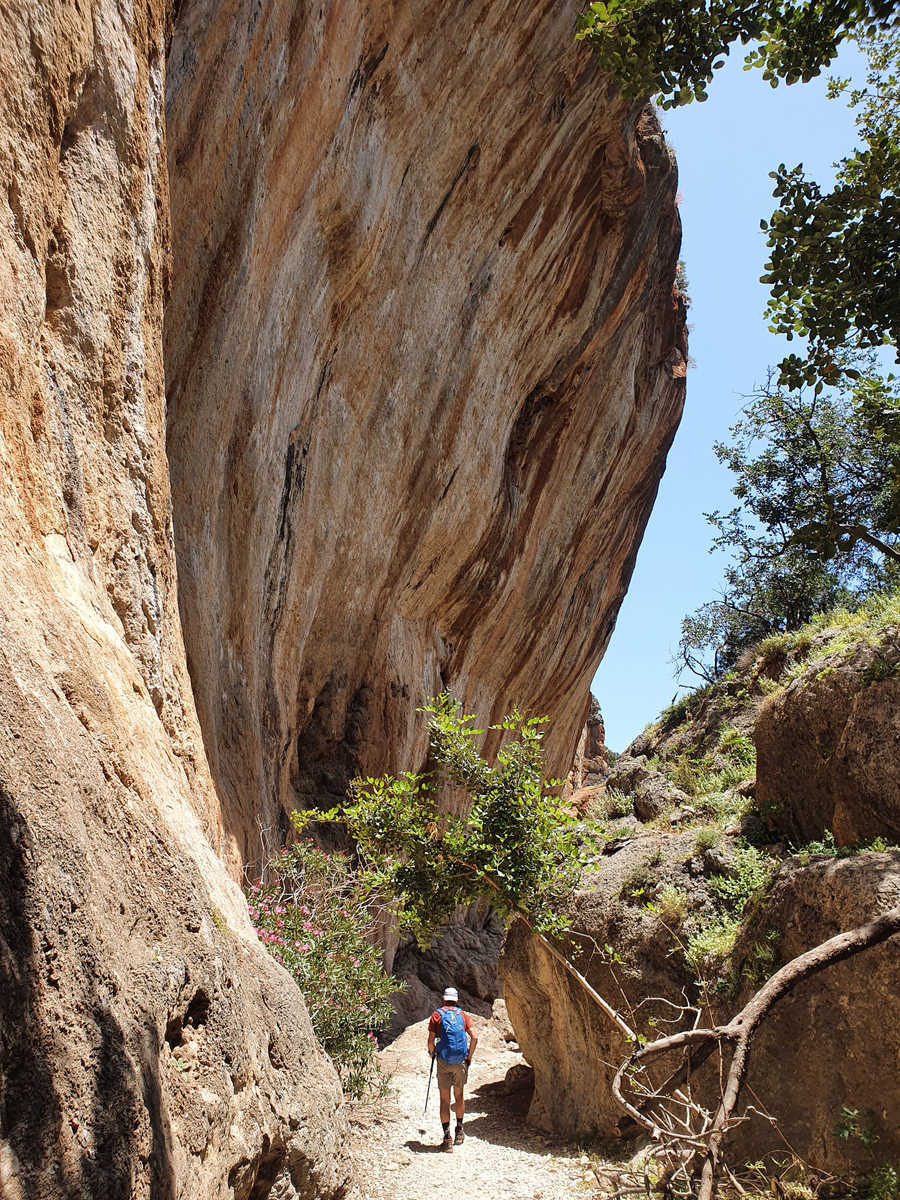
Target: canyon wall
x,y
148,1044
424,363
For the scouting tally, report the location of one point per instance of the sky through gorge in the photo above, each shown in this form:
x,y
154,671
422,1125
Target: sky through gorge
x,y
725,149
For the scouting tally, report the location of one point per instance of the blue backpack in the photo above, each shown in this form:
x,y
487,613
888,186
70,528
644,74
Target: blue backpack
x,y
453,1044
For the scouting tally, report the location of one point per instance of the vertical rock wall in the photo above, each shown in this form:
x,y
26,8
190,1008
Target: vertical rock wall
x,y
423,366
148,1045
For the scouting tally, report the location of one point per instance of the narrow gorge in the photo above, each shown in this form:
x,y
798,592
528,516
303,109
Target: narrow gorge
x,y
342,347
338,366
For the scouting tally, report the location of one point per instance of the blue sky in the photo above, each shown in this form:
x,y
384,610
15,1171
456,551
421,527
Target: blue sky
x,y
725,149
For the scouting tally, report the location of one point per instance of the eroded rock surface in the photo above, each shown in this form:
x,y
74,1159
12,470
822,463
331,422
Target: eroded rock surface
x,y
833,1042
423,364
148,1045
829,1040
828,747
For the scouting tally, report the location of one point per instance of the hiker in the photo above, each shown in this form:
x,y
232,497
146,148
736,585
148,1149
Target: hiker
x,y
451,1037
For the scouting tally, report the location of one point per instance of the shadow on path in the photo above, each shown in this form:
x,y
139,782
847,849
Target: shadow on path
x,y
422,1147
496,1116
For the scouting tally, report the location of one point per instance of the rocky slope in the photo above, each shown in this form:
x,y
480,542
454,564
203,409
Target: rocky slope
x,y
148,1045
720,869
423,367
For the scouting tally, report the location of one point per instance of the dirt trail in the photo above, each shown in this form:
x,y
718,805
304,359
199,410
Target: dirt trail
x,y
502,1156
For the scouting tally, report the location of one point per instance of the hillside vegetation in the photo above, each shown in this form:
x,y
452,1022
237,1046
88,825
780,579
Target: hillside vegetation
x,y
755,819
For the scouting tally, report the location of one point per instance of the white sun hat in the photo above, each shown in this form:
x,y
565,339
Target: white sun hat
x,y
450,993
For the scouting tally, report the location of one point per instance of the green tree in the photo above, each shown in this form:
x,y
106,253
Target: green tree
x,y
818,480
672,49
516,845
834,252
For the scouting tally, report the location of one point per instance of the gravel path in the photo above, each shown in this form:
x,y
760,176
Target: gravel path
x,y
502,1157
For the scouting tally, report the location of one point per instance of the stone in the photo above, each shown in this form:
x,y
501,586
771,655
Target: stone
x,y
463,955
500,1018
591,765
424,363
628,773
828,749
519,1078
654,795
125,945
829,1043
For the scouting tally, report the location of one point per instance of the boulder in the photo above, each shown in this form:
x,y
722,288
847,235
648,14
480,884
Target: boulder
x,y
654,795
833,1042
828,748
573,1048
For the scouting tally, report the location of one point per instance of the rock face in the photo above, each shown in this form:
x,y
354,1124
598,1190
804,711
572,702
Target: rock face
x,y
828,747
828,1045
591,765
423,366
464,955
419,254
825,1046
148,1045
573,1049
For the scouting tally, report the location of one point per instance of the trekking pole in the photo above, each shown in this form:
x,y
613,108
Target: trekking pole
x,y
428,1089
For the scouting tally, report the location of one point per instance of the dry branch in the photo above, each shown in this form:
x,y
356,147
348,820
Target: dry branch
x,y
739,1032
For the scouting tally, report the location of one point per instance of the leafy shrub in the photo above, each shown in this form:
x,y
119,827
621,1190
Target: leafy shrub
x,y
672,904
827,845
708,949
691,775
739,748
315,915
752,870
517,846
706,837
882,1184
760,961
616,804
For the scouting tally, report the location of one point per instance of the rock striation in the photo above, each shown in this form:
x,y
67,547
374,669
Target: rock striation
x,y
148,1045
424,362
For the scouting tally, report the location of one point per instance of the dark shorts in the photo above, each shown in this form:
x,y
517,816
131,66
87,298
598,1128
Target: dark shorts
x,y
451,1073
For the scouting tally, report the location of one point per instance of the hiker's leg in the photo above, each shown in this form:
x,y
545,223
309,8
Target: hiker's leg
x,y
445,1104
460,1102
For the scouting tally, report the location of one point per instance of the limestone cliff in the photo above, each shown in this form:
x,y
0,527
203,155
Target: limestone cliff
x,y
424,364
148,1045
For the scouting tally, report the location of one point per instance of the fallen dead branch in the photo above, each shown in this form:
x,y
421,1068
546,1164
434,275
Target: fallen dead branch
x,y
693,1140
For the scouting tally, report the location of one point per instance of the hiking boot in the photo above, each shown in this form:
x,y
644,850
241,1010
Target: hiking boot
x,y
447,1144
460,1136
